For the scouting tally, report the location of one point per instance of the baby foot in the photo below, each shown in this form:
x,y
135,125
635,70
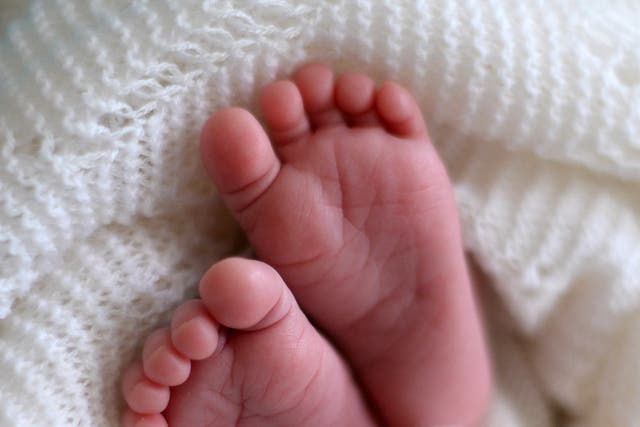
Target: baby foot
x,y
243,355
350,202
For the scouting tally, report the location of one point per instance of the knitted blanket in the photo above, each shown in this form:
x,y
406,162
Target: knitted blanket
x,y
107,220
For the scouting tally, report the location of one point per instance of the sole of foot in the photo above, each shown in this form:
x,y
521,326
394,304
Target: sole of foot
x,y
347,199
244,354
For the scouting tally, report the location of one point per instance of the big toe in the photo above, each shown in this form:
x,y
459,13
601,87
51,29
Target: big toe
x,y
245,294
238,156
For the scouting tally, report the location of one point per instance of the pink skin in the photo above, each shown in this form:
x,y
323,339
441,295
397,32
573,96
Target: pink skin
x,y
242,355
350,203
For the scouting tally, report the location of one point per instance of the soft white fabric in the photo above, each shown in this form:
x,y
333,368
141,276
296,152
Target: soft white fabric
x,y
107,219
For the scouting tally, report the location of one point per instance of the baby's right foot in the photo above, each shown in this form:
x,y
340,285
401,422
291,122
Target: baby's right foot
x,y
271,369
351,204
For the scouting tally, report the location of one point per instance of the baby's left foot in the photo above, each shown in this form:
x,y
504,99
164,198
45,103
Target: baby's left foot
x,y
271,369
349,201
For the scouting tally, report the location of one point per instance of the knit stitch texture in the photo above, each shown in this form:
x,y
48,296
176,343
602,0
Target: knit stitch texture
x,y
107,220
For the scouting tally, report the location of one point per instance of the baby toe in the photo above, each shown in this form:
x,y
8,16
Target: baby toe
x,y
355,96
193,332
238,157
316,84
162,362
284,113
244,294
399,111
141,394
132,419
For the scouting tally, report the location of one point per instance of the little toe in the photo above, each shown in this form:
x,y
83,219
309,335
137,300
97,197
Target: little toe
x,y
141,394
355,96
193,332
317,87
132,419
284,113
162,362
238,157
399,111
245,294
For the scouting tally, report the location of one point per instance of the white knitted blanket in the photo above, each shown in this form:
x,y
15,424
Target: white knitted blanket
x,y
107,219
